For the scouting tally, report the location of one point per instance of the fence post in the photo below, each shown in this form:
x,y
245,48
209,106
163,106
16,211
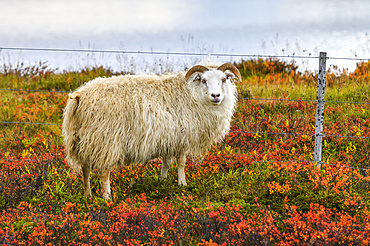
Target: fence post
x,y
320,109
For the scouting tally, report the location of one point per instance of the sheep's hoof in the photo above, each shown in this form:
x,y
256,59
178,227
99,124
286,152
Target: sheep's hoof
x,y
107,197
182,182
87,194
162,178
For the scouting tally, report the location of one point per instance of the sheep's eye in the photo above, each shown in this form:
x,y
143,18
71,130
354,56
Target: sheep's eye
x,y
197,77
230,76
204,81
223,80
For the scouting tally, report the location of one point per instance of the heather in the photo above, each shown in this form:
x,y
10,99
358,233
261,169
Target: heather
x,y
259,186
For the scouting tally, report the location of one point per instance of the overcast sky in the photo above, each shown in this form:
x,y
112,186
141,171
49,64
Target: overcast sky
x,y
240,26
34,17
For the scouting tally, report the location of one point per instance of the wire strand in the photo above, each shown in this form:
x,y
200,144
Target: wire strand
x,y
241,98
26,90
259,161
276,99
323,163
274,133
300,100
252,133
155,52
29,123
348,136
177,53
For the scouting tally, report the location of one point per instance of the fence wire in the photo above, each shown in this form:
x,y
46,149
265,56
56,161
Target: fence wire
x,y
300,100
26,90
323,163
245,132
259,161
155,53
29,123
241,98
176,53
274,133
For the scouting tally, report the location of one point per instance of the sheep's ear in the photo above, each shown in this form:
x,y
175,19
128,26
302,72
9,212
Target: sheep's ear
x,y
232,68
195,69
75,95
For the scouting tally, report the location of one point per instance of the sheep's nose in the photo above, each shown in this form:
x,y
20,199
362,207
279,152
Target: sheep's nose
x,y
215,95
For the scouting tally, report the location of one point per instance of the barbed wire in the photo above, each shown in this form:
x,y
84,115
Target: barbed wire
x,y
259,161
274,133
246,132
276,99
300,134
156,52
300,100
347,136
262,161
349,58
29,123
30,160
177,53
322,163
347,102
241,98
27,90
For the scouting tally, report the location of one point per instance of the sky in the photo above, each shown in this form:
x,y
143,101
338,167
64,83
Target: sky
x,y
272,27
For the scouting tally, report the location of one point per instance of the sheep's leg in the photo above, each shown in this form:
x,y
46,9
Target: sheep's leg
x,y
166,165
181,161
105,184
86,179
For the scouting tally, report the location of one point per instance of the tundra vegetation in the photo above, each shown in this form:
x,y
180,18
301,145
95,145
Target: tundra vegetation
x,y
236,195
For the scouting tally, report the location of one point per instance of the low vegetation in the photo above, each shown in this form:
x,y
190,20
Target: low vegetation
x,y
258,187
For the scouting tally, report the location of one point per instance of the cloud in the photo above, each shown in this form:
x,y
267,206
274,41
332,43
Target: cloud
x,y
98,16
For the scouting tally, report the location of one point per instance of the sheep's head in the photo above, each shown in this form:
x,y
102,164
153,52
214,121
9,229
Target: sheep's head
x,y
213,83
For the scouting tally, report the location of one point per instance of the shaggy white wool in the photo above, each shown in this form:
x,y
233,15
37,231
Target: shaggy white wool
x,y
126,119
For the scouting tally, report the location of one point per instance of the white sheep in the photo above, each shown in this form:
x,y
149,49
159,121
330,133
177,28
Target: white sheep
x,y
136,118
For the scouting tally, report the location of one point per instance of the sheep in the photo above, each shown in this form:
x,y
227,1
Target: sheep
x,y
125,119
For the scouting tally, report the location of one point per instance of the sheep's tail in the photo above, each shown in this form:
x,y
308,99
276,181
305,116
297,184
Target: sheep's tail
x,y
70,130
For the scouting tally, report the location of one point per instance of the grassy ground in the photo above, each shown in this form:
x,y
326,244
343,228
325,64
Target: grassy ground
x,y
254,188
